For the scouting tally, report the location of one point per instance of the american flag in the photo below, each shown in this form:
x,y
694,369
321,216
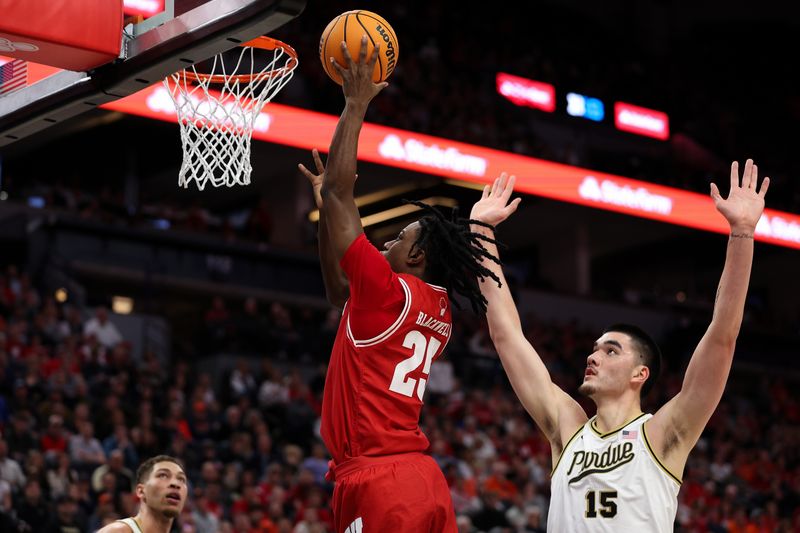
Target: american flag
x,y
13,76
629,434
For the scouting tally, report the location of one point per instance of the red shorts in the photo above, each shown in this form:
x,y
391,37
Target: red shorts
x,y
397,493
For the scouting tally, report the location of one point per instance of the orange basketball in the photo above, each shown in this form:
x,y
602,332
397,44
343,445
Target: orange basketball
x,y
349,27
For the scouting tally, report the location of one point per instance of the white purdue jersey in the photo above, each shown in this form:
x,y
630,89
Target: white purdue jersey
x,y
611,482
131,523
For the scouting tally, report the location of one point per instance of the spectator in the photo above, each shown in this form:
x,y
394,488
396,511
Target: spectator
x,y
218,325
84,449
259,224
61,476
251,328
533,520
242,381
55,438
68,518
101,328
33,510
317,463
10,471
119,440
115,467
104,513
21,435
464,524
491,513
72,323
204,520
5,497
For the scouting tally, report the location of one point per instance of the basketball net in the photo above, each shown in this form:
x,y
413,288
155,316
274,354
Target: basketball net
x,y
217,111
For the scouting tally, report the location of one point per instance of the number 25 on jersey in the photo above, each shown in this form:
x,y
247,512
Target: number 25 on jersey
x,y
423,350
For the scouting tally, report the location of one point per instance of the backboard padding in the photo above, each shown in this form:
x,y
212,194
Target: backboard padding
x,y
199,30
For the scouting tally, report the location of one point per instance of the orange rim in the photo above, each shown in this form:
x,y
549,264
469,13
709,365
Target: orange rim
x,y
264,43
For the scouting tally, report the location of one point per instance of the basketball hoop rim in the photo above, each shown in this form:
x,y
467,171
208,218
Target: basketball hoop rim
x,y
264,43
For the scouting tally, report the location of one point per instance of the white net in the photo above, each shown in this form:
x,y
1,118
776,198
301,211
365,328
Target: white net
x,y
217,123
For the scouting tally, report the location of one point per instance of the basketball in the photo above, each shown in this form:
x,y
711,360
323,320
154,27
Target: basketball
x,y
349,27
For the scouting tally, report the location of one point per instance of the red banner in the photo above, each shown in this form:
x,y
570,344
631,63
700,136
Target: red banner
x,y
525,92
78,35
641,121
442,157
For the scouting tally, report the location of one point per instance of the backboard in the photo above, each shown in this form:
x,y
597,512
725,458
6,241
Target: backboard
x,y
184,33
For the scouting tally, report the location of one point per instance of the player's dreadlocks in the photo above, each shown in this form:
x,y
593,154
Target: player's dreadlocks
x,y
453,254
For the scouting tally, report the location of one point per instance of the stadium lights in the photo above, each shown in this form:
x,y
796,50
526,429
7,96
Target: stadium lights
x,y
143,7
372,198
122,305
61,295
399,211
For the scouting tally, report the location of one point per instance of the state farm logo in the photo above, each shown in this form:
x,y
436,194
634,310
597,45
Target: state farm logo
x,y
778,228
526,92
610,192
414,151
16,46
640,120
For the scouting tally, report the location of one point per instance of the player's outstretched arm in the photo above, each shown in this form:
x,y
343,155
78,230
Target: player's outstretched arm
x,y
555,412
337,289
343,222
677,426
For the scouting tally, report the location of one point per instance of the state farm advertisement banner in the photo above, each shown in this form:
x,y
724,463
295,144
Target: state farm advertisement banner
x,y
434,155
525,92
642,121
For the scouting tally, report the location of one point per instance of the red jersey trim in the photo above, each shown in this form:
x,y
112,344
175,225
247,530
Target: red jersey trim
x,y
391,329
437,287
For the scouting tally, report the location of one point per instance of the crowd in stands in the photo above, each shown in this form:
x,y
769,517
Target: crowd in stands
x,y
78,414
251,223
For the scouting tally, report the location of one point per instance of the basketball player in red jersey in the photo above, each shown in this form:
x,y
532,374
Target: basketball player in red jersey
x,y
395,323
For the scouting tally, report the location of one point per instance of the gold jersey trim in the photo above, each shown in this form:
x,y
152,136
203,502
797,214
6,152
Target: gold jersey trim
x,y
564,449
605,435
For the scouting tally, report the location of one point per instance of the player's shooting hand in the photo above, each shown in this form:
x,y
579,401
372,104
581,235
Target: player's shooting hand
x,y
315,179
494,207
356,76
744,205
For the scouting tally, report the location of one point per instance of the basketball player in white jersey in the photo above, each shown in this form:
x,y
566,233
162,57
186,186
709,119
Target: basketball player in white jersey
x,y
161,487
621,470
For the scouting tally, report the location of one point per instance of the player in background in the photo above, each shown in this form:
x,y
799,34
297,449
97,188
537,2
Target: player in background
x,y
396,321
162,489
621,469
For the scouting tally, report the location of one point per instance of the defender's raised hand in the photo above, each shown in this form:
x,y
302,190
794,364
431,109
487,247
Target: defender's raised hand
x,y
356,76
744,204
315,179
494,207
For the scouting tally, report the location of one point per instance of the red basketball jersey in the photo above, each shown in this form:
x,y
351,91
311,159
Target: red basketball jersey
x,y
392,328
